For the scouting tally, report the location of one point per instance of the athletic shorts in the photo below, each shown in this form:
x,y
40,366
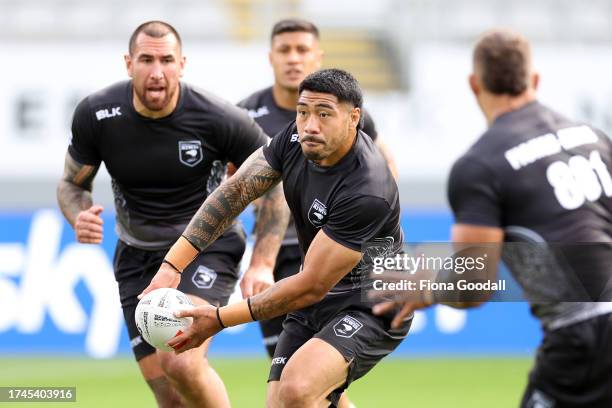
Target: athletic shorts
x,y
287,264
346,324
212,276
573,367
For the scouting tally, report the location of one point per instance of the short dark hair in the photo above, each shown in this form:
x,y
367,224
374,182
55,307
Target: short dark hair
x,y
155,29
336,82
294,25
502,58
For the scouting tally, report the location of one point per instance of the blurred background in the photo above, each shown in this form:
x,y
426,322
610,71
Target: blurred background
x,y
412,57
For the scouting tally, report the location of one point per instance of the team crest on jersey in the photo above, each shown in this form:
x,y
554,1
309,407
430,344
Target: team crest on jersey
x,y
190,152
317,214
347,327
204,277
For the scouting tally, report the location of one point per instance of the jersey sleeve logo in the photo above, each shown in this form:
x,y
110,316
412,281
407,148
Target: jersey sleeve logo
x,y
190,152
317,214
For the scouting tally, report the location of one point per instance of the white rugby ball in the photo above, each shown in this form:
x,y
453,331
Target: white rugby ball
x,y
155,318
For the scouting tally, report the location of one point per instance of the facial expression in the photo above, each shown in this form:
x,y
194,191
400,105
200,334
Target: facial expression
x,y
155,66
293,56
325,126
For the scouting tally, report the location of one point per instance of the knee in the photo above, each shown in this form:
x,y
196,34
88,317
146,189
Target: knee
x,y
181,369
294,392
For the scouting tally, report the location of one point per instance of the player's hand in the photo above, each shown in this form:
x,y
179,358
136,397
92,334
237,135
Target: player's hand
x,y
255,280
205,325
405,310
88,225
166,277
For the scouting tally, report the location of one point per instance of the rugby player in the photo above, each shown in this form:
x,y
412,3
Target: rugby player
x,y
341,194
538,178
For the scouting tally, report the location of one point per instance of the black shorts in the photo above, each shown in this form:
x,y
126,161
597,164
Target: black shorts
x,y
212,276
349,326
287,264
573,367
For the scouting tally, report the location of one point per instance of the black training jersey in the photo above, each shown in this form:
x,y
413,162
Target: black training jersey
x,y
262,107
354,202
543,178
162,169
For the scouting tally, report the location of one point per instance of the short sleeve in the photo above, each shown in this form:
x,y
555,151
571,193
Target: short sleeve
x,y
83,147
278,146
356,220
368,126
473,194
239,135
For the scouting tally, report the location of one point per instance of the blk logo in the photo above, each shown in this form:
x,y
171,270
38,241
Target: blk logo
x,y
106,113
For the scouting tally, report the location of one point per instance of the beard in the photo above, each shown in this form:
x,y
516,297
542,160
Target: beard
x,y
154,103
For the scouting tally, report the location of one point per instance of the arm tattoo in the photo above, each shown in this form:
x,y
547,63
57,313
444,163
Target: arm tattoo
x,y
271,223
267,304
253,178
74,189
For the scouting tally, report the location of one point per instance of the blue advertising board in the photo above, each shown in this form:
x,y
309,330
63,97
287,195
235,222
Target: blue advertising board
x,y
58,296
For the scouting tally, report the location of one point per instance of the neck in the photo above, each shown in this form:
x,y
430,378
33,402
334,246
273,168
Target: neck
x,y
285,98
342,151
155,114
493,105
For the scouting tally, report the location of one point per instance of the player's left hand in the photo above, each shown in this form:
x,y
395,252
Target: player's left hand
x,y
255,280
166,277
406,309
205,325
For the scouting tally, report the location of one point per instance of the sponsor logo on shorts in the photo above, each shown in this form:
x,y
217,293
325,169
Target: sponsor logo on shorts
x,y
204,277
347,327
317,214
540,400
279,360
190,152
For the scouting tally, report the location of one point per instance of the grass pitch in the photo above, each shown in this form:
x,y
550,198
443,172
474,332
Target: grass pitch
x,y
396,382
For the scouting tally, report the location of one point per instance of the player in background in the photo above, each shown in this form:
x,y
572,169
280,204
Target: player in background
x,y
294,54
165,145
341,195
538,177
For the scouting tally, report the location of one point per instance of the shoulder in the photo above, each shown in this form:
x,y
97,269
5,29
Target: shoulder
x,y
115,94
255,100
211,105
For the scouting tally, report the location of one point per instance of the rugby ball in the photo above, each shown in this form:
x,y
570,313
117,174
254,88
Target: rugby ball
x,y
155,318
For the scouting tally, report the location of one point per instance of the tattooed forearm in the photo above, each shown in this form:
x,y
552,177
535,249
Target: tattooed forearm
x,y
253,178
74,189
284,297
271,223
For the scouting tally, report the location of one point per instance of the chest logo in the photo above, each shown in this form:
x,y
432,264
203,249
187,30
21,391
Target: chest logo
x,y
317,214
190,152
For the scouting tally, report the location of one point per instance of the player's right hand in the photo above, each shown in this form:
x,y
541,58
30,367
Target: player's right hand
x,y
166,277
88,225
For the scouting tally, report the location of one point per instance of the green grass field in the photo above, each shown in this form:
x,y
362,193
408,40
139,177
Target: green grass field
x,y
418,382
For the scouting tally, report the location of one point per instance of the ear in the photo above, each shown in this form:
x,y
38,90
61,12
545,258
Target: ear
x,y
354,117
320,55
270,57
535,80
182,63
474,85
128,64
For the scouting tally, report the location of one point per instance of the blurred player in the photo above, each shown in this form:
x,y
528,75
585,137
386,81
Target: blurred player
x,y
537,177
294,54
165,145
341,194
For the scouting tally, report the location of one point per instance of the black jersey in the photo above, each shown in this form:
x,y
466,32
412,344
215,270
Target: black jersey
x,y
355,201
262,107
544,179
162,169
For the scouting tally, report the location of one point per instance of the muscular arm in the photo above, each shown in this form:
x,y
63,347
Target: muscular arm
x,y
325,264
271,223
74,188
